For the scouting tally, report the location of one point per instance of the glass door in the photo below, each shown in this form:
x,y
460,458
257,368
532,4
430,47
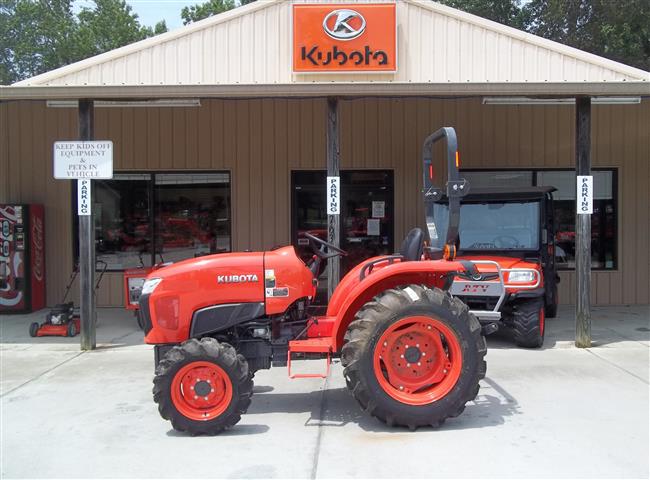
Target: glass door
x,y
366,216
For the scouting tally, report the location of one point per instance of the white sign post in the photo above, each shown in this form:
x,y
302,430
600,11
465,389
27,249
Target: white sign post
x,y
333,195
585,194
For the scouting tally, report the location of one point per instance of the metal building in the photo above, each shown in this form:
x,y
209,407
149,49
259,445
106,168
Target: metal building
x,y
221,127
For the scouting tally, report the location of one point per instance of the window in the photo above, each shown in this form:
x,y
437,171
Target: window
x,y
122,213
496,226
604,232
187,214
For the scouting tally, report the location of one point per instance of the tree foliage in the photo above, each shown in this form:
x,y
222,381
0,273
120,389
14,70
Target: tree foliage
x,y
198,12
41,35
507,12
36,37
619,30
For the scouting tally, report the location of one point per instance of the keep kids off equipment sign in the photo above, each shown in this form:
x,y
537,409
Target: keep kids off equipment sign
x,y
344,38
90,159
83,161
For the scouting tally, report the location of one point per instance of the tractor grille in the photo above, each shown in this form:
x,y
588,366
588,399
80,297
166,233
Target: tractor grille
x,y
479,303
144,313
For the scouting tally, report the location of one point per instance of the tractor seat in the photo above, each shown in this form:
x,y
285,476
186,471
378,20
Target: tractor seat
x,y
413,245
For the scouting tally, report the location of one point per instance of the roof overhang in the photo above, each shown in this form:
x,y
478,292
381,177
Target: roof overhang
x,y
339,89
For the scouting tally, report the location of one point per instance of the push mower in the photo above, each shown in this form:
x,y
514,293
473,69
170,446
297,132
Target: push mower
x,y
413,355
63,319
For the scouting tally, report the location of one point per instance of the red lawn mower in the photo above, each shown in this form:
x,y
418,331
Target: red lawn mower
x,y
413,355
63,319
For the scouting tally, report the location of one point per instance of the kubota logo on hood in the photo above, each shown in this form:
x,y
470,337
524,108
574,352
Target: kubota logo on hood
x,y
237,278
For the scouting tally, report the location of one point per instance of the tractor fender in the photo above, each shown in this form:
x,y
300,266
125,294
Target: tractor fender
x,y
431,273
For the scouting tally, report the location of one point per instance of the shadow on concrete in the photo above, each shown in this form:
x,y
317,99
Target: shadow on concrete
x,y
336,408
237,430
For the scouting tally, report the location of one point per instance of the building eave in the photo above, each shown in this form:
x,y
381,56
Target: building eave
x,y
567,89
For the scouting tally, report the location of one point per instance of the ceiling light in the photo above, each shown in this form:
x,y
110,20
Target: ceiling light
x,y
170,102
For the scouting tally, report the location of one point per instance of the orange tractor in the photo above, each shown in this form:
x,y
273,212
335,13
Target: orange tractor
x,y
413,355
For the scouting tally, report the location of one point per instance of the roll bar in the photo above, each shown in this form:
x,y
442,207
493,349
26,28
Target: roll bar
x,y
456,187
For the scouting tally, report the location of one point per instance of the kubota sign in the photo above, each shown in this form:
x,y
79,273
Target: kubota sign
x,y
344,38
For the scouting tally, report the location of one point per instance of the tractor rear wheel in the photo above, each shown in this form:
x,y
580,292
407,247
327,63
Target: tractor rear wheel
x,y
202,386
528,323
414,356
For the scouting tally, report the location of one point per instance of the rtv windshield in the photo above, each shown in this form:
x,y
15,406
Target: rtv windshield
x,y
490,226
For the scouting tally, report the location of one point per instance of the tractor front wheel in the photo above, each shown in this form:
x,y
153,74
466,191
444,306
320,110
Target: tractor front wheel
x,y
202,386
414,356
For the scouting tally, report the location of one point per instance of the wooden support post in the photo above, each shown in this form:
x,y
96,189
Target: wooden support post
x,y
87,242
333,221
583,227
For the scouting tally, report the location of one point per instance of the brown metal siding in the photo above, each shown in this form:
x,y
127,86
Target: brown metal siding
x,y
261,141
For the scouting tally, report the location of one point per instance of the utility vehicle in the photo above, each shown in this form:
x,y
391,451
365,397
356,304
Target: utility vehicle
x,y
412,354
509,235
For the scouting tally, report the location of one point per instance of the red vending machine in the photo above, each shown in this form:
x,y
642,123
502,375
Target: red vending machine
x,y
22,258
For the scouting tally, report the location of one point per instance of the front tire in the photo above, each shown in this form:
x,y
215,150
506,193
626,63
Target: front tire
x,y
202,387
414,357
528,323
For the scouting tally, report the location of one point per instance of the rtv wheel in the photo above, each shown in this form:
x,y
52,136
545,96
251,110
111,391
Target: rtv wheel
x,y
528,323
414,356
202,387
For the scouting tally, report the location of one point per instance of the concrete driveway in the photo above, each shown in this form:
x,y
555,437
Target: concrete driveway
x,y
555,412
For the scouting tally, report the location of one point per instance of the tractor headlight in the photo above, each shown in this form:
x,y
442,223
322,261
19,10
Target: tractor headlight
x,y
150,285
521,277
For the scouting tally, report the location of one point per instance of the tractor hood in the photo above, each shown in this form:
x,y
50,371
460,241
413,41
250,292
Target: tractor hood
x,y
219,278
504,262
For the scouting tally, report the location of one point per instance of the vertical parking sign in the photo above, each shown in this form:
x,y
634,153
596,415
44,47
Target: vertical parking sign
x,y
333,195
83,197
585,195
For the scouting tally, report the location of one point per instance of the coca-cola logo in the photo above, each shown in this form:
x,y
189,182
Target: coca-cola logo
x,y
37,248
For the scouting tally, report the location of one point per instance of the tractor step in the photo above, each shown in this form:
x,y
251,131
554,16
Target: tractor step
x,y
311,345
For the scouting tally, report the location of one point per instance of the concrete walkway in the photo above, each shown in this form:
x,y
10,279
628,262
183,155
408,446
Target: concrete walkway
x,y
557,412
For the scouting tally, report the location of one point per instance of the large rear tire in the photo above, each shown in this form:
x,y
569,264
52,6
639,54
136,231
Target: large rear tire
x,y
414,357
202,387
528,323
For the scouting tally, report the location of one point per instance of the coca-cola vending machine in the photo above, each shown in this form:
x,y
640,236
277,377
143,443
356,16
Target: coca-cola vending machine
x,y
22,258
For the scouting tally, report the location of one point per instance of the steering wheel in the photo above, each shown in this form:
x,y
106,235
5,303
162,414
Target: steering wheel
x,y
505,241
318,246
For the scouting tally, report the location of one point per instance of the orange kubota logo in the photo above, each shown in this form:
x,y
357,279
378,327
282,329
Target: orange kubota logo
x,y
344,38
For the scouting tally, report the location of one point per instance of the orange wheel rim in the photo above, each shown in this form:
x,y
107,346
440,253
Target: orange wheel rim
x,y
418,360
201,391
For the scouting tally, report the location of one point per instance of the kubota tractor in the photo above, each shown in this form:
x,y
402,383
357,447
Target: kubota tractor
x,y
412,354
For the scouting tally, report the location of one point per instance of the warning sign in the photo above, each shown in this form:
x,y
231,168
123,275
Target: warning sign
x,y
83,159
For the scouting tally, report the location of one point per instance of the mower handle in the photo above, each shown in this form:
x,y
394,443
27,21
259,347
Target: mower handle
x,y
457,187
